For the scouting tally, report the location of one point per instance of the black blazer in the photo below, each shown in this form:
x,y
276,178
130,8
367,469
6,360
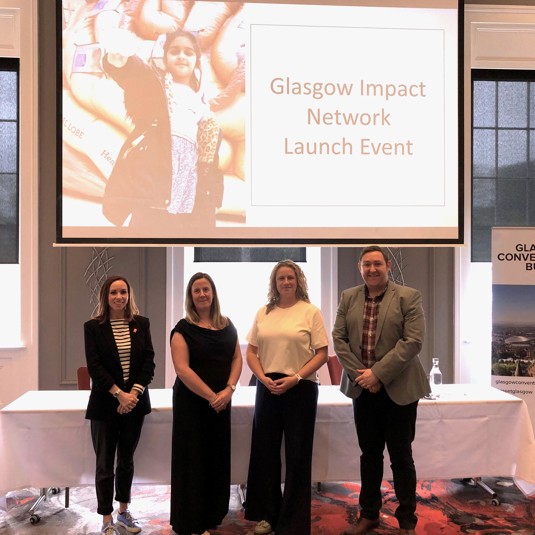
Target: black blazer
x,y
105,369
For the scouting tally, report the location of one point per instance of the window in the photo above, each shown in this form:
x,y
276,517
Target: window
x,y
503,158
249,254
9,157
10,273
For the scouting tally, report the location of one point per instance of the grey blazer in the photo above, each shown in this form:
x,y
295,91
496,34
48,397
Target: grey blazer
x,y
399,338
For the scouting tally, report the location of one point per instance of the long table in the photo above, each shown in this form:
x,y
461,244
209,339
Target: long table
x,y
469,431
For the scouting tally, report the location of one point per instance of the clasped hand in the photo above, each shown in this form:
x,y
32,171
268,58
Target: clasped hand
x,y
221,400
127,402
280,386
368,380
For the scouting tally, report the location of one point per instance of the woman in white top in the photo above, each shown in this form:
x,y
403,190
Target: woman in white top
x,y
287,344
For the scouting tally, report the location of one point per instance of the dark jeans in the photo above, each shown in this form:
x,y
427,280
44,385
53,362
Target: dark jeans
x,y
293,414
119,435
380,421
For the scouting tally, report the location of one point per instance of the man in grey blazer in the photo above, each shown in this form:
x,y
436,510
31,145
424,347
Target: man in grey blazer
x,y
378,333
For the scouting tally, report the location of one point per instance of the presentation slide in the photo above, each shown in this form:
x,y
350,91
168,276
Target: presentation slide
x,y
259,123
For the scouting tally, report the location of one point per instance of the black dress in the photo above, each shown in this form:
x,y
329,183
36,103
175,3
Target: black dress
x,y
200,465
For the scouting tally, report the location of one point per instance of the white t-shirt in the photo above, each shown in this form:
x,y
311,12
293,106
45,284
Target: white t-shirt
x,y
186,111
287,337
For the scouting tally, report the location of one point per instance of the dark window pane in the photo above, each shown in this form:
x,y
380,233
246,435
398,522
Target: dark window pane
x,y
512,105
531,204
481,244
8,193
484,153
531,163
9,244
512,153
8,147
511,203
484,106
249,254
484,202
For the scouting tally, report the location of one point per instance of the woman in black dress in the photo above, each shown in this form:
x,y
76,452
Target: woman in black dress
x,y
208,362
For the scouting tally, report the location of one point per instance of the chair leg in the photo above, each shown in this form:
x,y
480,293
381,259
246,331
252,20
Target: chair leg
x,y
43,496
477,482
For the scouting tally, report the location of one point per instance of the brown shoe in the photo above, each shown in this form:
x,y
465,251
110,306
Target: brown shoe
x,y
406,531
363,526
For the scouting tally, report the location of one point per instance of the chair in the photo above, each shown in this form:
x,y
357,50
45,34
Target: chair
x,y
335,369
84,381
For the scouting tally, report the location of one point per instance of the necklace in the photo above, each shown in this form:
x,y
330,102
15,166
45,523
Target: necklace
x,y
205,324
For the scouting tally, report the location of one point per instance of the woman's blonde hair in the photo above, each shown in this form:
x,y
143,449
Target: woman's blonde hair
x,y
302,285
216,318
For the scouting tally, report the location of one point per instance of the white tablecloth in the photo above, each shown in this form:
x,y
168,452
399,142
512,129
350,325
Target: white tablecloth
x,y
469,431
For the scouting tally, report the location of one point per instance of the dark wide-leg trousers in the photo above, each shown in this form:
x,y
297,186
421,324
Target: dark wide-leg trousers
x,y
292,414
119,436
200,463
380,421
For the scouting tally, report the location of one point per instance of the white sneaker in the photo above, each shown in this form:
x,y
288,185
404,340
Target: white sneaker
x,y
263,528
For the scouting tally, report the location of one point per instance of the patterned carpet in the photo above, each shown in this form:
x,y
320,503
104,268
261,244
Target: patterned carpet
x,y
444,508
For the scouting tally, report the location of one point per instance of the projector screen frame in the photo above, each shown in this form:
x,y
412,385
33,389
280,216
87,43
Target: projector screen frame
x,y
318,236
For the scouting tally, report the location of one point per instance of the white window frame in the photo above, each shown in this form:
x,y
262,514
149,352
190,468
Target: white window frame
x,y
18,28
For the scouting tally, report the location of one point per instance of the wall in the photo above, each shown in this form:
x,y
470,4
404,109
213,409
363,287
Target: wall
x,y
63,287
61,278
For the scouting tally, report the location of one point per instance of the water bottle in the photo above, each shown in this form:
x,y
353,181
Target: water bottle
x,y
435,377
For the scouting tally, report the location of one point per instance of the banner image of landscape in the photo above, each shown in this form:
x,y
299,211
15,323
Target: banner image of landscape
x,y
513,312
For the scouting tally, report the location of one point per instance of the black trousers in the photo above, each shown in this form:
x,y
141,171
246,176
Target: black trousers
x,y
380,421
117,437
292,414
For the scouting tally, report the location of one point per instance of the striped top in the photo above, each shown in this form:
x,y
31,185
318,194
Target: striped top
x,y
121,333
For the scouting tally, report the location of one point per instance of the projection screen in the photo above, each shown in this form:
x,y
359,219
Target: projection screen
x,y
193,122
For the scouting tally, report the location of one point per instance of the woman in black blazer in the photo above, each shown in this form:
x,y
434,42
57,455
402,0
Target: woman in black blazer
x,y
120,360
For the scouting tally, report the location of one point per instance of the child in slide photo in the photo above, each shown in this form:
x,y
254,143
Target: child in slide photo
x,y
168,164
